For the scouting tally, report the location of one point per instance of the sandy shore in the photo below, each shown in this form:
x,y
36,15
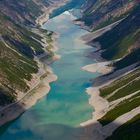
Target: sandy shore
x,y
14,110
99,104
102,67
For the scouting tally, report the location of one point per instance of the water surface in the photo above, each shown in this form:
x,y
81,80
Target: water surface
x,y
57,115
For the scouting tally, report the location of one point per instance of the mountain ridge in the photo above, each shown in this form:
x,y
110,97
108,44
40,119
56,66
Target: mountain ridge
x,y
22,41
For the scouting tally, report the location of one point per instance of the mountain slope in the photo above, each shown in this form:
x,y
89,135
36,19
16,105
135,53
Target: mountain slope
x,y
21,42
122,39
120,88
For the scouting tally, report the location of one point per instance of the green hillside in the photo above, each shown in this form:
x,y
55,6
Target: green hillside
x,y
19,45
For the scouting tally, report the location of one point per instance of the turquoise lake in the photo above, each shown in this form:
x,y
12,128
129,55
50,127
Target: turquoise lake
x,y
58,115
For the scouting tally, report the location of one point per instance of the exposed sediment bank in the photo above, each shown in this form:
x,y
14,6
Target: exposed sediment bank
x,y
100,104
14,110
102,67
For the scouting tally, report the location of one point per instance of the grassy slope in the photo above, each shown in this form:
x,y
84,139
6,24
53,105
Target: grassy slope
x,y
121,109
18,46
127,90
107,90
128,131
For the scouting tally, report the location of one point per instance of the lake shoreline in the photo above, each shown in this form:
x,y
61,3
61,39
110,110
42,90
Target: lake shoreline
x,y
42,86
37,91
101,66
100,104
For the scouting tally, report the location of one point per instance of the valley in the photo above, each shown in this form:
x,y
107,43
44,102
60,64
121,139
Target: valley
x,y
69,70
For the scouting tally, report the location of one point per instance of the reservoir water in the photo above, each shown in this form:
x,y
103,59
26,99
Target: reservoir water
x,y
58,115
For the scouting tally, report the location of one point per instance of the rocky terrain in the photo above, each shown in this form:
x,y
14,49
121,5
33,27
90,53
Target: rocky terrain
x,y
115,94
